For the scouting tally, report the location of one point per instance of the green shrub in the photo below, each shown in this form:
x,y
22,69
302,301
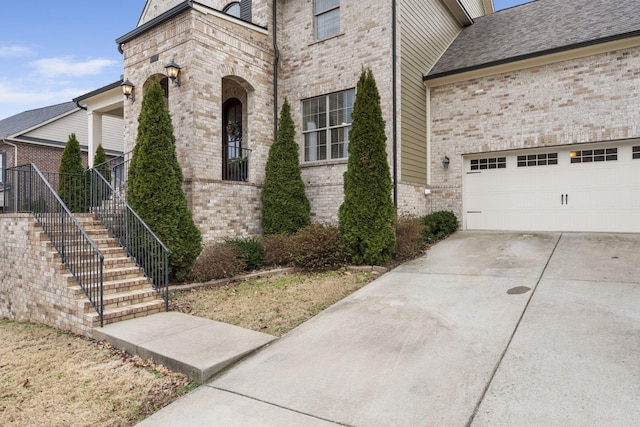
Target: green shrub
x,y
277,250
217,261
154,184
71,187
439,225
250,252
409,239
285,207
319,247
367,214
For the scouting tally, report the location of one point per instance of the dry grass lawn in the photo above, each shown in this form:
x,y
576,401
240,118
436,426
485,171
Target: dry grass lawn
x,y
53,378
273,305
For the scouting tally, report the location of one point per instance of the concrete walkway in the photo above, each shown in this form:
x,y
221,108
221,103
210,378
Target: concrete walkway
x,y
486,329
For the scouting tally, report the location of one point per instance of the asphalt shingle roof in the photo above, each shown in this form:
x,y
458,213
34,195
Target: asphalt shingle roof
x,y
28,119
537,28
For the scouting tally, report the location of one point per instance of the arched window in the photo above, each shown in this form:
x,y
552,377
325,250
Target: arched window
x,y
232,9
164,84
234,162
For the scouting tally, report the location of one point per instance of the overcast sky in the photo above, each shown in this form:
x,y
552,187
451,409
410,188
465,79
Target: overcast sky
x,y
52,51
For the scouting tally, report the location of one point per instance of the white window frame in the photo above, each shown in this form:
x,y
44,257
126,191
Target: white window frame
x,y
310,133
319,14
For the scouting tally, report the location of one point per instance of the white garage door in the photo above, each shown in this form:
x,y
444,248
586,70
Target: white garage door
x,y
586,187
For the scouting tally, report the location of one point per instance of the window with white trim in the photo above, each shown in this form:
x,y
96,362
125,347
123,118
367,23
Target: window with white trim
x,y
232,9
635,152
543,159
327,18
326,123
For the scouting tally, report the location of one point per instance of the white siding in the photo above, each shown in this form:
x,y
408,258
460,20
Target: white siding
x,y
112,133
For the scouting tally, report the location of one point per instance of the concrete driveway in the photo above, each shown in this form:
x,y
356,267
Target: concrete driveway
x,y
487,329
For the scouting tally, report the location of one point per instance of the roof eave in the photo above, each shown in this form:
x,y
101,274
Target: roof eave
x,y
98,91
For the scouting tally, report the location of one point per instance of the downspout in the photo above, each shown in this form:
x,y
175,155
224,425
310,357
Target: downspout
x,y
394,79
275,71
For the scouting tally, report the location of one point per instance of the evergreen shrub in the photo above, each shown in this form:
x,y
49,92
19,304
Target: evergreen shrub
x,y
250,252
285,207
154,185
367,214
71,184
439,225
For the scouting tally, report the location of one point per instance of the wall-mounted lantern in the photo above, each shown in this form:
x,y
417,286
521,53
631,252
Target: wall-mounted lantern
x,y
445,162
129,90
173,72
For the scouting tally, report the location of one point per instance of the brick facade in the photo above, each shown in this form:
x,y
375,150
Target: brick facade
x,y
47,159
574,101
36,291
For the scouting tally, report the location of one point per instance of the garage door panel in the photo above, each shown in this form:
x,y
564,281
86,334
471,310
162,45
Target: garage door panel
x,y
567,196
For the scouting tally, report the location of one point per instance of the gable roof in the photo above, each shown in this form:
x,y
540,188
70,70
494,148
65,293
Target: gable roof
x,y
538,28
28,119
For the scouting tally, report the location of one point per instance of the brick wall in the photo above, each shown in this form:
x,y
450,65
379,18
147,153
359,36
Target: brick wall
x,y
47,159
33,287
583,100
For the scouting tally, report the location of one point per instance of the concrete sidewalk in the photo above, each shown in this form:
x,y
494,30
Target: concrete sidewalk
x,y
192,345
487,329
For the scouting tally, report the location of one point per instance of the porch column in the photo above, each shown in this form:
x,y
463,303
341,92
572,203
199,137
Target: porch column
x,y
95,134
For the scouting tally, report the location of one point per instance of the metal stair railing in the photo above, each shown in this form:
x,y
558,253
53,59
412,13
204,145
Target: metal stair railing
x,y
133,234
27,190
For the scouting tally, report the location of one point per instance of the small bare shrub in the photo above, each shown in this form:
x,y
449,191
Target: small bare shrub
x,y
277,250
409,239
319,247
217,261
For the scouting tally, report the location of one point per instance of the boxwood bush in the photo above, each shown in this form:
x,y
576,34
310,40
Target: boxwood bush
x,y
439,225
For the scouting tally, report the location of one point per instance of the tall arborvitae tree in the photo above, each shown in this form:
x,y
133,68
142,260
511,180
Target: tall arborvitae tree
x,y
285,207
154,185
100,163
367,215
100,191
71,185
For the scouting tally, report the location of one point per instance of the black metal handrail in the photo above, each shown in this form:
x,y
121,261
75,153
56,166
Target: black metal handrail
x,y
133,234
118,168
27,190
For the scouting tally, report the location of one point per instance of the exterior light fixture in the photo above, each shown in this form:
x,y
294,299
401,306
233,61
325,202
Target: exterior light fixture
x,y
129,90
173,72
445,162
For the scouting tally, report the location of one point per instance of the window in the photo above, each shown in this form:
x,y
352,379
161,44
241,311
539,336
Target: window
x,y
600,155
2,166
635,152
327,18
538,160
232,9
489,163
326,123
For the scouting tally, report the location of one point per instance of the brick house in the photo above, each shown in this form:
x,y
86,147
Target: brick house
x,y
236,71
536,107
39,136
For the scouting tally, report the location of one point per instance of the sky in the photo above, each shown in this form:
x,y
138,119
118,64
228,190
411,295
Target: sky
x,y
52,51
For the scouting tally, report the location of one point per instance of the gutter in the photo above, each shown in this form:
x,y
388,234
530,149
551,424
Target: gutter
x,y
275,72
394,78
15,152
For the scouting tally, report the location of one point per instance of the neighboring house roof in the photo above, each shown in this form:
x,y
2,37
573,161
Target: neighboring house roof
x,y
26,120
538,28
